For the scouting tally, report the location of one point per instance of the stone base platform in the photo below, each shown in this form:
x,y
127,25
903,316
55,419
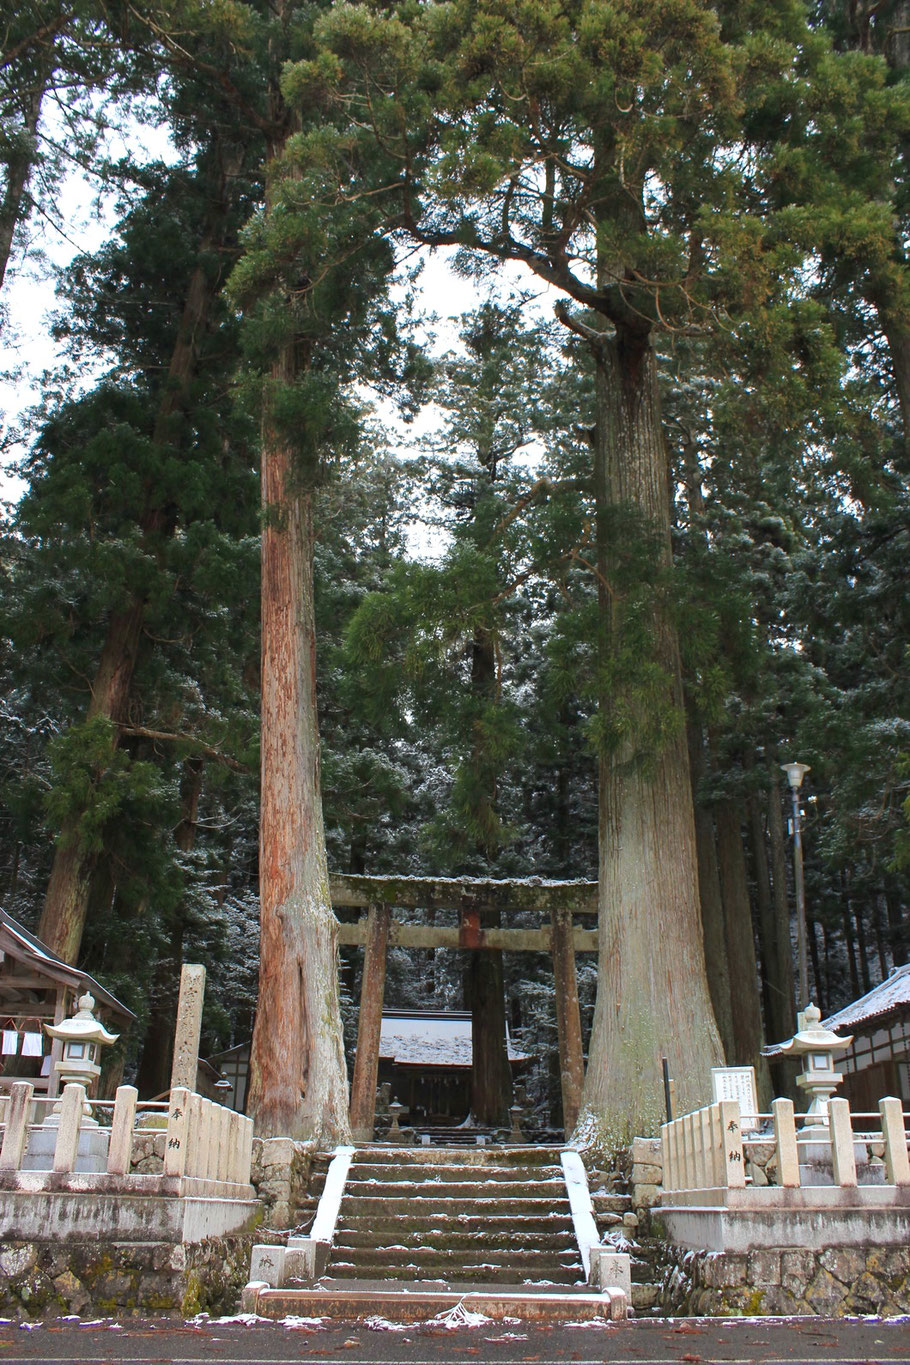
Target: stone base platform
x,y
831,1281
40,1279
360,1300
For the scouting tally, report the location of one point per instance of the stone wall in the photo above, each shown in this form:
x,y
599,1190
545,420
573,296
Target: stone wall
x,y
122,1279
280,1175
280,1172
835,1282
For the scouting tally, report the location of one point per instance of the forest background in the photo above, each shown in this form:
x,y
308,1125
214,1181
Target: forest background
x,y
717,191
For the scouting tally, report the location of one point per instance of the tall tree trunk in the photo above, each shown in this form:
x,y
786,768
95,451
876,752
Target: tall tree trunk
x,y
19,167
66,901
491,1075
783,972
820,978
897,935
298,1081
154,1072
652,989
780,1020
740,940
712,907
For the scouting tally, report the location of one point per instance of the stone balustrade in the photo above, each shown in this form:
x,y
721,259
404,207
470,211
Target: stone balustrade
x,y
208,1148
707,1149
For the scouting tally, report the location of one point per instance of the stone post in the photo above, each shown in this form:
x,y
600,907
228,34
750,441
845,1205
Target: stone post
x,y
176,1139
15,1136
72,1112
785,1142
842,1153
121,1148
189,1027
369,1024
897,1164
734,1164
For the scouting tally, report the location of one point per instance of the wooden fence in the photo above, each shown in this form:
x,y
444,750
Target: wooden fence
x,y
707,1149
207,1148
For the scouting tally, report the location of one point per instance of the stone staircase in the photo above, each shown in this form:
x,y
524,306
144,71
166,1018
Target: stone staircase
x,y
307,1201
476,1216
617,1222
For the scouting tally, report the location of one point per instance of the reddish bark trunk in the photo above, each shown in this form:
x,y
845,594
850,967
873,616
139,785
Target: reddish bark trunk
x,y
712,909
298,1085
652,992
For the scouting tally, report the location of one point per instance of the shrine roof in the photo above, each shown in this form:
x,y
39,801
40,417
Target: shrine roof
x,y
889,997
18,942
432,1038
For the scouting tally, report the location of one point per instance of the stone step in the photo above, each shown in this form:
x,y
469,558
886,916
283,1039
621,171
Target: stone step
x,y
375,1225
367,1300
454,1272
645,1297
611,1203
470,1156
506,1190
362,1171
475,1203
502,1240
383,1258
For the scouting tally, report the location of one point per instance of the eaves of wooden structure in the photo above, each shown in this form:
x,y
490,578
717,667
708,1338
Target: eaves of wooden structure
x,y
38,988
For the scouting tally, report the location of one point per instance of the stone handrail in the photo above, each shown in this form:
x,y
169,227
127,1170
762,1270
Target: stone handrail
x,y
207,1147
704,1150
206,1141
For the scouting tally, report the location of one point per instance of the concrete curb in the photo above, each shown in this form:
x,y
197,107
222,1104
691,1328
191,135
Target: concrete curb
x,y
611,1304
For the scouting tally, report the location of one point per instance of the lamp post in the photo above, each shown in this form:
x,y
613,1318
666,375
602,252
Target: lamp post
x,y
795,774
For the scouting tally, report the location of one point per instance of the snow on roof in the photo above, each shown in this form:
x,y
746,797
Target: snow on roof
x,y
892,994
432,1038
39,953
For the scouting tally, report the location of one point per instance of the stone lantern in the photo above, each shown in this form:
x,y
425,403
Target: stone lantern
x,y
818,1045
82,1037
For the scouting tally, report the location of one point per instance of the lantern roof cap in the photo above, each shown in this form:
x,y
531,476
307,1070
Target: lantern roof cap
x,y
83,1026
812,1036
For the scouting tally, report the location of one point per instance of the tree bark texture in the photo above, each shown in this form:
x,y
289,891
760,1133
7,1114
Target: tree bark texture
x,y
491,1075
652,996
712,907
298,1081
66,900
774,930
784,973
154,1072
19,167
740,940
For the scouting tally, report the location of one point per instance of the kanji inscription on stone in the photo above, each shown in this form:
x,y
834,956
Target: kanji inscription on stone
x,y
736,1083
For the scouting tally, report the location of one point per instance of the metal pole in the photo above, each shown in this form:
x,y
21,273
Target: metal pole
x,y
800,904
668,1100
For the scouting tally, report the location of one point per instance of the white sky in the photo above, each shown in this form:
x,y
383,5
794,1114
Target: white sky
x,y
80,224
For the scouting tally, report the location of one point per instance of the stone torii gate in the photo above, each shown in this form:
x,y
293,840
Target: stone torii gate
x,y
555,903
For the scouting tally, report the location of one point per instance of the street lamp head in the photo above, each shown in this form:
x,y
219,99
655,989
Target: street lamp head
x,y
795,773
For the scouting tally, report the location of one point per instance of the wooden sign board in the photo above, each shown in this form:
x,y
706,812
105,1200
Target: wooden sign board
x,y
737,1083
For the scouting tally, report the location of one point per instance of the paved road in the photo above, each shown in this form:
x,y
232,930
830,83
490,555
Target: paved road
x,y
820,1341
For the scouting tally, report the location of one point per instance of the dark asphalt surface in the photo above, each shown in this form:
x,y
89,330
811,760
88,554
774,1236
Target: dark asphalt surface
x,y
691,1341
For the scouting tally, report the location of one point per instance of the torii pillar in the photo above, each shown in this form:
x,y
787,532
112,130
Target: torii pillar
x,y
568,1016
369,1025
